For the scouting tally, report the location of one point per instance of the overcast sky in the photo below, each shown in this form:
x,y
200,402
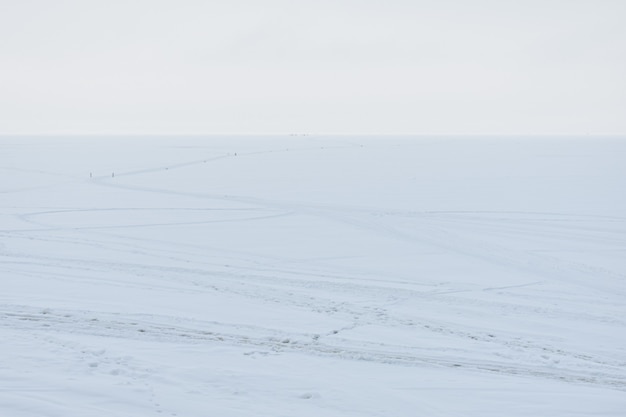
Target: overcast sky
x,y
362,66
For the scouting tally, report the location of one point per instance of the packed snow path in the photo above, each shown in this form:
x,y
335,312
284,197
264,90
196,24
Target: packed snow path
x,y
286,276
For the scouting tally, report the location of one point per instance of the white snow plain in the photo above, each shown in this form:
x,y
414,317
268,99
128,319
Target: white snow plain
x,y
312,276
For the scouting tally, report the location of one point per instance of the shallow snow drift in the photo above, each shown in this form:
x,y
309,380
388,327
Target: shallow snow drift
x,y
309,276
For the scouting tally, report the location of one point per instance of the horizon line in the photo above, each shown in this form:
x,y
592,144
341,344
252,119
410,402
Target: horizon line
x,y
304,134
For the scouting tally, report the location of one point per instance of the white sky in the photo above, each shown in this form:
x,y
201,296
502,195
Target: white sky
x,y
362,66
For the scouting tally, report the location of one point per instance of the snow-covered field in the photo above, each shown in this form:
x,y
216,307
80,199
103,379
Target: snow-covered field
x,y
312,276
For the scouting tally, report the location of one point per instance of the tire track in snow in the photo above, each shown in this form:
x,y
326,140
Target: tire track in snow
x,y
171,329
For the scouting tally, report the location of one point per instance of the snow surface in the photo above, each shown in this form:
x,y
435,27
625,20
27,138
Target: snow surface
x,y
312,276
